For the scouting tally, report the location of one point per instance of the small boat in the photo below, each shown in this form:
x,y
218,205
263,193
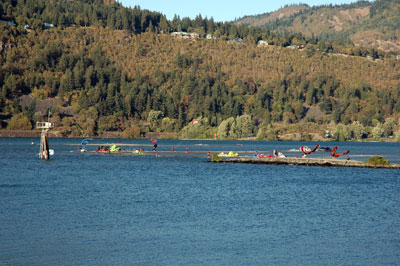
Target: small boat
x,y
51,152
137,152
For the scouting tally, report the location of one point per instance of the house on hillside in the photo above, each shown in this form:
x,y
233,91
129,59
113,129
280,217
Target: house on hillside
x,y
194,35
235,40
179,34
262,43
185,35
9,22
48,25
210,37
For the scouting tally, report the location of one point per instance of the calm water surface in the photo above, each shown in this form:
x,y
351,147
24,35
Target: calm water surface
x,y
96,209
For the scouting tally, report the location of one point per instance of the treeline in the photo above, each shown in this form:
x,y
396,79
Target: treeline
x,y
35,14
83,13
111,14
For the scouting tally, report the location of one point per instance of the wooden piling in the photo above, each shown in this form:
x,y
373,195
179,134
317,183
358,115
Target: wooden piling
x,y
44,146
44,139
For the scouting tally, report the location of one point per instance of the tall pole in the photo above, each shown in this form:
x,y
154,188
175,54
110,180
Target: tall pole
x,y
44,145
44,139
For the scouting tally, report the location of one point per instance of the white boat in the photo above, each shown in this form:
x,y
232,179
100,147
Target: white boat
x,y
51,152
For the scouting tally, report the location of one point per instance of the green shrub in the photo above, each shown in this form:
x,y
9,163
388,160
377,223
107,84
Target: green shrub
x,y
131,133
19,121
378,160
215,158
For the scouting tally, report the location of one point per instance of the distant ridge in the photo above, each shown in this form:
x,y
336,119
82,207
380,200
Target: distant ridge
x,y
264,19
370,24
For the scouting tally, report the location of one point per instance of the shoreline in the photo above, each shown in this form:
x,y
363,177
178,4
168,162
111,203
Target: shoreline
x,y
53,134
4,133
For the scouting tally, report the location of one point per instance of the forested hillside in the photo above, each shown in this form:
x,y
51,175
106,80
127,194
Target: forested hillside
x,y
371,24
97,78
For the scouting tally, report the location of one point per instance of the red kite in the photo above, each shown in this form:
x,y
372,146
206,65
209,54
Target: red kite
x,y
334,154
309,151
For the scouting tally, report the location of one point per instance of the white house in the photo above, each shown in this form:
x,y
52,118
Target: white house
x,y
262,43
185,35
48,25
210,37
194,35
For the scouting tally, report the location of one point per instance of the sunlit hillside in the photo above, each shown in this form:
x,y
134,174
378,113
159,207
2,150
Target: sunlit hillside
x,y
372,24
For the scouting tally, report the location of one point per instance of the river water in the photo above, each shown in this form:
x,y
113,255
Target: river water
x,y
180,209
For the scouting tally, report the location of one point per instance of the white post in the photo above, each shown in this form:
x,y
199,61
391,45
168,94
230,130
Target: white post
x,y
44,139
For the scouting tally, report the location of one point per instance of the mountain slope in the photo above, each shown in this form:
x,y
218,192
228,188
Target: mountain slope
x,y
368,24
100,77
263,19
119,74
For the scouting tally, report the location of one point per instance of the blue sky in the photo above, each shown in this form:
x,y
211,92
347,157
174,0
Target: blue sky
x,y
220,10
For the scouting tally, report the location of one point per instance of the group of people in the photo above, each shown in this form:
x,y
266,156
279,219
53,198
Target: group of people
x,y
103,148
305,152
108,149
276,154
155,145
